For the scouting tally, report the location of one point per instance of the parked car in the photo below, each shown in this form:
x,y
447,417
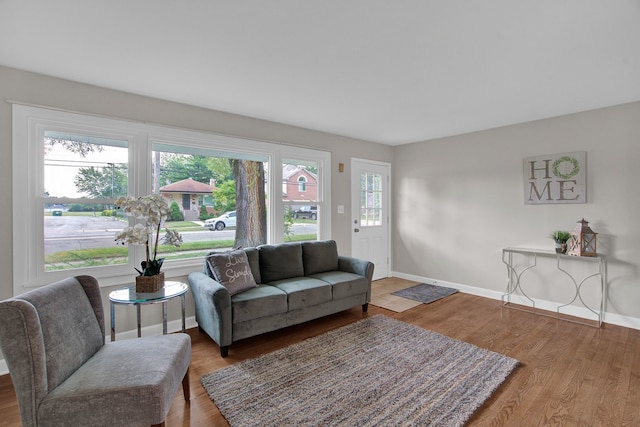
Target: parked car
x,y
306,212
220,223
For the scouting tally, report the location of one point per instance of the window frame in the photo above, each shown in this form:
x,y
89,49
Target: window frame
x,y
29,125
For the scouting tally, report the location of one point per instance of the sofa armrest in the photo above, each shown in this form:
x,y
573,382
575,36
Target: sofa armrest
x,y
356,266
213,307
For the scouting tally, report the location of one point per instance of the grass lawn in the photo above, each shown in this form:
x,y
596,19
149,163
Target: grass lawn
x,y
80,258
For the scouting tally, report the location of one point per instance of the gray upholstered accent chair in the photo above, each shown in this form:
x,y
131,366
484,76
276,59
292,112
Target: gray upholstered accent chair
x,y
53,340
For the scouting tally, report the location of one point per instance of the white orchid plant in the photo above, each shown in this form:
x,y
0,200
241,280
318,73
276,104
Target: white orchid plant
x,y
151,211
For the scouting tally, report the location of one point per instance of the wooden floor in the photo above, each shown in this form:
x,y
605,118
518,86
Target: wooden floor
x,y
570,374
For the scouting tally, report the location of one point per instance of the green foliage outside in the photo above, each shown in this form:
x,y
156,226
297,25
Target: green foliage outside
x,y
77,207
176,167
176,213
204,214
288,223
106,182
224,198
220,168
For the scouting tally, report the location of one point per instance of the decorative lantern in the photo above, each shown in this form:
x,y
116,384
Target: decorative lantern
x,y
582,241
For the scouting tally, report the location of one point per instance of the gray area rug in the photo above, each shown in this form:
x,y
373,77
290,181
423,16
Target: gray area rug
x,y
376,372
425,293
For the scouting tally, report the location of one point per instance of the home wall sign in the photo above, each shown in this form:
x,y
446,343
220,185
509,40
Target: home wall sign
x,y
555,178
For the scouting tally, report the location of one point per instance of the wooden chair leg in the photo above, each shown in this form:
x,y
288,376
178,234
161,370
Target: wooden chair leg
x,y
186,386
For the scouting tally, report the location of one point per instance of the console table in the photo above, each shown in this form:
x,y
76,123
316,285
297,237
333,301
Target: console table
x,y
514,278
128,295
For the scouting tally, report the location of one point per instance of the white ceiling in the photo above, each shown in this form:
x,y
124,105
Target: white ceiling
x,y
389,71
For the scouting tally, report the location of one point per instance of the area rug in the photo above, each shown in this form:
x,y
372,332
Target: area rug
x,y
425,293
377,371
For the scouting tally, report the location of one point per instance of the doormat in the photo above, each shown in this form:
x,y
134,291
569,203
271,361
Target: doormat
x,y
425,293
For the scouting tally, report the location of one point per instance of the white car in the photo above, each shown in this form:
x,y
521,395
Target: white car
x,y
220,223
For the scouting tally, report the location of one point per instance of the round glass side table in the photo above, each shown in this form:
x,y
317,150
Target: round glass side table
x,y
128,295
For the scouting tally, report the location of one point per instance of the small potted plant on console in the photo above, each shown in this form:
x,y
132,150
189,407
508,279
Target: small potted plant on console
x,y
561,238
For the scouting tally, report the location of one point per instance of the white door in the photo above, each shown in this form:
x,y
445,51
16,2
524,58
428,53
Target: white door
x,y
370,214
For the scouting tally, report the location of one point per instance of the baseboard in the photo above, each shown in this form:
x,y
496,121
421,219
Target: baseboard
x,y
172,326
581,312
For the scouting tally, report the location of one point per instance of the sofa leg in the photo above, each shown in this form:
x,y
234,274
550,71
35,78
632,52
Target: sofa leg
x,y
186,386
365,307
200,330
224,350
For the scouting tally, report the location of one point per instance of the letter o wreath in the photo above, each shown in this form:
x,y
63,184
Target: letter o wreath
x,y
574,171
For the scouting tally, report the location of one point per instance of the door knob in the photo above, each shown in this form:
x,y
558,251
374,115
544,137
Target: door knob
x,y
356,230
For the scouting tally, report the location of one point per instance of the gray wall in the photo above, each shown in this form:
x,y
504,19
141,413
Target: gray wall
x,y
458,201
42,90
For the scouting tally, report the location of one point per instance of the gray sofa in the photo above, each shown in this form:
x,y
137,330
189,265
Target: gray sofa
x,y
294,283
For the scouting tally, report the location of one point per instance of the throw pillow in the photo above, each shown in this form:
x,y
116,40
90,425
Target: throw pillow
x,y
232,270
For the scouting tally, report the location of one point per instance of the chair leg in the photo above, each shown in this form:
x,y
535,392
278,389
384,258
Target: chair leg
x,y
186,386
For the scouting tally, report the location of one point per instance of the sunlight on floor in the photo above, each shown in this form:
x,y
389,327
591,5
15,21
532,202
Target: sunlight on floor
x,y
381,295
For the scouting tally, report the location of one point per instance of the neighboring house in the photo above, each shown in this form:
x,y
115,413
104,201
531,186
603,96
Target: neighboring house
x,y
189,195
298,184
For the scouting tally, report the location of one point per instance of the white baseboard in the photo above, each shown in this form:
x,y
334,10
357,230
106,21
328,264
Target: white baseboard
x,y
582,312
614,319
172,326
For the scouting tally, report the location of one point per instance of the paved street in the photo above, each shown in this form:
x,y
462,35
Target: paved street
x,y
64,233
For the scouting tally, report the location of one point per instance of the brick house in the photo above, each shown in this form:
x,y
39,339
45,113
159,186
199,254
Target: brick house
x,y
189,195
298,184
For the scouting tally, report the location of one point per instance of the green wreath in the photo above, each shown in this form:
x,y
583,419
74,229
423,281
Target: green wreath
x,y
557,163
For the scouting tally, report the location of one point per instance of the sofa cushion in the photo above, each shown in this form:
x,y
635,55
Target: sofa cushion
x,y
319,256
232,270
304,292
261,301
344,284
281,261
254,262
113,385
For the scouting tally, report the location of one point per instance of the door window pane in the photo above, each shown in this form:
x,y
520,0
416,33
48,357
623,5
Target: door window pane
x,y
370,200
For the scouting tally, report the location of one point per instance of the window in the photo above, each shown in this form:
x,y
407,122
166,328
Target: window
x,y
187,177
83,175
301,198
68,169
302,184
370,200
